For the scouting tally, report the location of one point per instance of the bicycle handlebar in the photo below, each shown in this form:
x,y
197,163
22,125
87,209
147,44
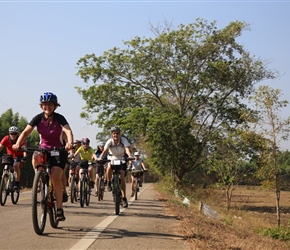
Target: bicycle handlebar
x,y
32,149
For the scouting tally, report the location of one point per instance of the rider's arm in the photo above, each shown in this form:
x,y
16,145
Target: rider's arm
x,y
128,151
103,153
23,136
143,165
94,157
69,136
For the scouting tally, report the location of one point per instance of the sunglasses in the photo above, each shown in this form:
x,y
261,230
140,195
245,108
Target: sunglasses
x,y
13,133
86,144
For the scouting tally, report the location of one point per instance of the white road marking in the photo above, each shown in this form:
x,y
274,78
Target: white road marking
x,y
92,235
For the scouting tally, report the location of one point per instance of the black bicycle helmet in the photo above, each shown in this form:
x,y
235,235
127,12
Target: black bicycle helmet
x,y
14,129
77,142
49,97
85,141
115,129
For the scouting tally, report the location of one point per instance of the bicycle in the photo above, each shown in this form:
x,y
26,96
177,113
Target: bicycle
x,y
73,188
7,181
137,174
116,166
101,183
85,189
43,198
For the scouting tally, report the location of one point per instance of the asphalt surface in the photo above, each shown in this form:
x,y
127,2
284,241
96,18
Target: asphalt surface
x,y
145,224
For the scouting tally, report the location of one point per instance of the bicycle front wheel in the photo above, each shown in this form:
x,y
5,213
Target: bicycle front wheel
x,y
117,195
52,210
136,185
88,193
101,188
72,189
15,196
82,192
39,202
4,189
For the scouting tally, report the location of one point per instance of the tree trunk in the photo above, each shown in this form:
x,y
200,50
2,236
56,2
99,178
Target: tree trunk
x,y
278,207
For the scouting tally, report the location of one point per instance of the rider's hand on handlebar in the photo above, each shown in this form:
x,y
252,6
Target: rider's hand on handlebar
x,y
24,159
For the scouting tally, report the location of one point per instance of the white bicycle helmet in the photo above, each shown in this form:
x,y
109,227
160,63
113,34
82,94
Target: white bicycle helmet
x,y
14,129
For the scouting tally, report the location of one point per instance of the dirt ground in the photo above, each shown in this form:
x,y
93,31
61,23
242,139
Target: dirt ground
x,y
252,209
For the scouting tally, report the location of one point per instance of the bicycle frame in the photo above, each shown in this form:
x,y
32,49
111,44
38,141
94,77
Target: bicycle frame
x,y
136,174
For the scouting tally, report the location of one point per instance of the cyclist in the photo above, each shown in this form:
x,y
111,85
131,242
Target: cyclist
x,y
98,153
76,145
50,126
117,146
18,156
86,153
137,164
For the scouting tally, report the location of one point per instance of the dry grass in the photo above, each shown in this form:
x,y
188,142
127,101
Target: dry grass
x,y
252,208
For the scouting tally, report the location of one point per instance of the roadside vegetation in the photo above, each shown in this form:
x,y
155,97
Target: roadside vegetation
x,y
248,225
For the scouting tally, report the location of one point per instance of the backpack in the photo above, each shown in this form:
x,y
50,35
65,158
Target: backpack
x,y
7,159
111,141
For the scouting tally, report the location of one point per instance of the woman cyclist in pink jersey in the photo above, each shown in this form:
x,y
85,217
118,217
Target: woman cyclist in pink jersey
x,y
50,126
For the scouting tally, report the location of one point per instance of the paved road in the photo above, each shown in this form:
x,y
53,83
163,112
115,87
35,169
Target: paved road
x,y
145,224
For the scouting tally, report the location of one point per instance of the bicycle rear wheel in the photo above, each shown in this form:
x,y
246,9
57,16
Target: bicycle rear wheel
x,y
4,189
39,202
15,196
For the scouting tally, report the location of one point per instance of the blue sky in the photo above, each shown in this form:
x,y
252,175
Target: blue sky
x,y
41,42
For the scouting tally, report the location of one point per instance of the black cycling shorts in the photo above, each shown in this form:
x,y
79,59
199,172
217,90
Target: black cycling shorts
x,y
59,161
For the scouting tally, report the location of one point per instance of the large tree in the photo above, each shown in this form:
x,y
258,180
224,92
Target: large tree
x,y
192,80
275,128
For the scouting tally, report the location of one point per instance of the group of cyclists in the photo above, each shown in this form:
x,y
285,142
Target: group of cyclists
x,y
55,132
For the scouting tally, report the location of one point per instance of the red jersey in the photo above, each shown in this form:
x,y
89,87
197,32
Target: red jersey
x,y
8,144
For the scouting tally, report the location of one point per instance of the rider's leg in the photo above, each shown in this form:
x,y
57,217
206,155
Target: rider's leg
x,y
123,187
109,177
36,159
64,181
123,183
56,179
92,175
17,172
132,183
